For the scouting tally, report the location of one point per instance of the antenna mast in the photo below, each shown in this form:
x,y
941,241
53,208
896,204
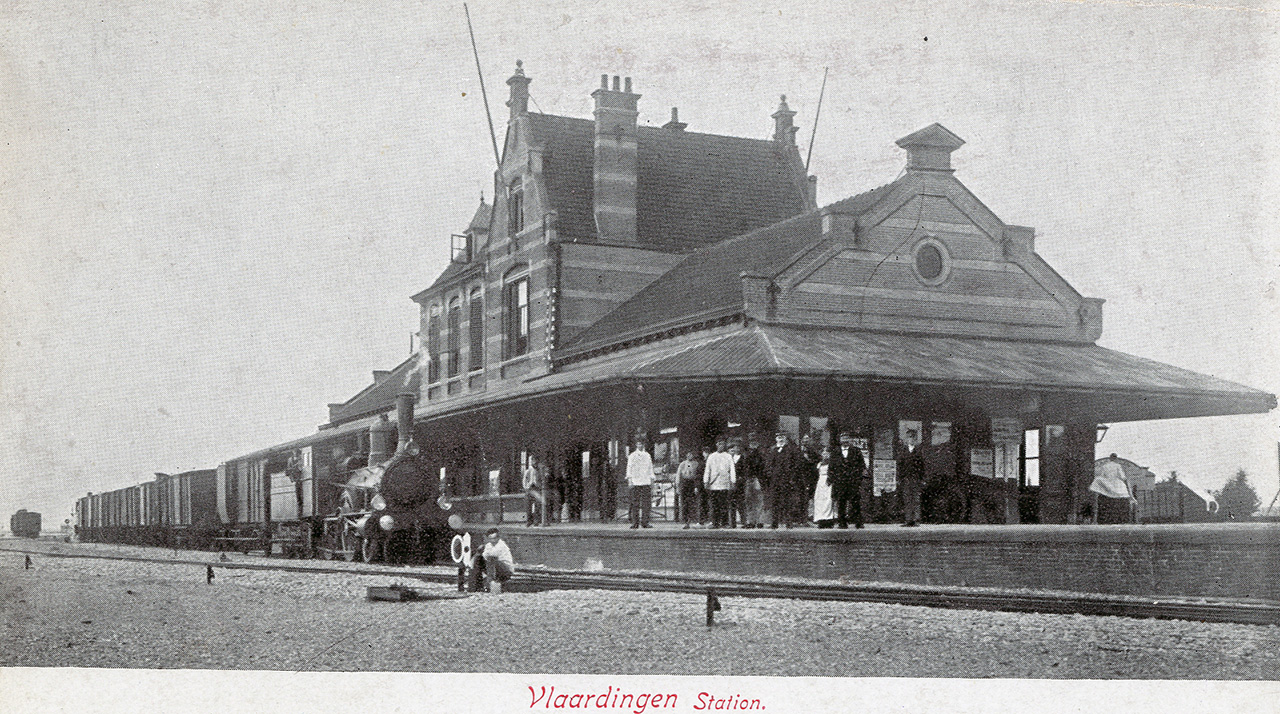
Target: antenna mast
x,y
815,119
493,137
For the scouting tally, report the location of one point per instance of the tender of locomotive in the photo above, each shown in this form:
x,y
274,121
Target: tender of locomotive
x,y
25,524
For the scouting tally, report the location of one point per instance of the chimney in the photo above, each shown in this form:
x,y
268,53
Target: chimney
x,y
784,128
380,440
519,101
404,419
930,148
675,126
616,162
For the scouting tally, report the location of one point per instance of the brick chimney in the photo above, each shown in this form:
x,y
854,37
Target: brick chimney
x,y
519,101
675,126
616,162
784,128
930,148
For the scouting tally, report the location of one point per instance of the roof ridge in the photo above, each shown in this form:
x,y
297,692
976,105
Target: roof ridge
x,y
702,342
769,350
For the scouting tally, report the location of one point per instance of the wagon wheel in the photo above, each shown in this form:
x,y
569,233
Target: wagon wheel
x,y
349,543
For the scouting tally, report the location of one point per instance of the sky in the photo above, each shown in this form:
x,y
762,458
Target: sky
x,y
212,215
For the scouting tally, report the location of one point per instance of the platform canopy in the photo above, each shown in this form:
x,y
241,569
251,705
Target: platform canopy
x,y
1107,385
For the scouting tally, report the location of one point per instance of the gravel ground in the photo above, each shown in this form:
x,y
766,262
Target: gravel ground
x,y
96,613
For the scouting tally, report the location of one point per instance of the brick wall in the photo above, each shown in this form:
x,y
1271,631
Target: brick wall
x,y
1218,560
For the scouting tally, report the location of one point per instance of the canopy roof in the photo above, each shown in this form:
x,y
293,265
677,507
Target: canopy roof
x,y
1109,385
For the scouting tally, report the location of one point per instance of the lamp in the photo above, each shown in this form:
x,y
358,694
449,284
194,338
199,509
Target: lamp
x,y
1102,432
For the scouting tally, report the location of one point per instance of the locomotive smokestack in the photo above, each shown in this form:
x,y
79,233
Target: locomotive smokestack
x,y
404,418
380,440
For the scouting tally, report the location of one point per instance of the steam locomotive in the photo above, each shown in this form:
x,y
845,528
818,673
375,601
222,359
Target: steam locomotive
x,y
341,494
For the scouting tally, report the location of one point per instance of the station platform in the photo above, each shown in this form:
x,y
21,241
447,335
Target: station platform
x,y
1238,560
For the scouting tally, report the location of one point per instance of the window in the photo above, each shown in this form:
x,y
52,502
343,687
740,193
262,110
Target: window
x,y
455,336
475,329
1030,458
515,314
515,208
433,344
931,262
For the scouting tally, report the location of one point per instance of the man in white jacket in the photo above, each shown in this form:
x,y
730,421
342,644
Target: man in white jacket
x,y
640,479
718,477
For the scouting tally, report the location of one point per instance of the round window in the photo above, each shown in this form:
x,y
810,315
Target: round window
x,y
931,262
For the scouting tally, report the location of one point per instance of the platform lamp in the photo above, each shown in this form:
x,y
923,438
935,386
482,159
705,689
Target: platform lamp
x,y
1102,433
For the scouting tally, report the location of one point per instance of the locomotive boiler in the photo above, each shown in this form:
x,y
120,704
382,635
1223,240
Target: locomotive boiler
x,y
393,509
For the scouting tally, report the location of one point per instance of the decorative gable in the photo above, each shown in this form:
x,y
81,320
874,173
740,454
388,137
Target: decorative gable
x,y
929,257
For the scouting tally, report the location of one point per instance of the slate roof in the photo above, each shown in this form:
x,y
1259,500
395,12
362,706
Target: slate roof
x,y
692,189
381,395
707,284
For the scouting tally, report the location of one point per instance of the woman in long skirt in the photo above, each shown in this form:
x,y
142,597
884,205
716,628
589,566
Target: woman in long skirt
x,y
824,508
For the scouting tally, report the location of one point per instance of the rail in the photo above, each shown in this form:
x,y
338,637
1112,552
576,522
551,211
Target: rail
x,y
1165,608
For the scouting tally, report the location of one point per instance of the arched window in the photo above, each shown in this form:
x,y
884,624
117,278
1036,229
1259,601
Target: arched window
x,y
515,314
475,328
515,208
455,337
433,343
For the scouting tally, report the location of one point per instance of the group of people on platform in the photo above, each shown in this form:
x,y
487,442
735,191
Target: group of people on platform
x,y
740,485
733,485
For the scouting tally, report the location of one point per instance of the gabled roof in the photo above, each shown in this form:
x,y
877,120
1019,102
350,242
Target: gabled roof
x,y
381,395
479,225
693,189
707,284
451,272
480,219
933,135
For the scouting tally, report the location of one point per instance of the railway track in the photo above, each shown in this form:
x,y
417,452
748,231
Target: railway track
x,y
1166,608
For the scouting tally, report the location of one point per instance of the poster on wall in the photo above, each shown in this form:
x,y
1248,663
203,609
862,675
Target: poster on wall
x,y
1006,430
982,463
939,432
884,476
906,427
883,443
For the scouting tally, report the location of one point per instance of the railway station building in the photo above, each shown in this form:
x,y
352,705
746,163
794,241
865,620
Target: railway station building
x,y
656,281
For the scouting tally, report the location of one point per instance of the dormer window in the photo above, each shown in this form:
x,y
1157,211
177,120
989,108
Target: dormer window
x,y
515,208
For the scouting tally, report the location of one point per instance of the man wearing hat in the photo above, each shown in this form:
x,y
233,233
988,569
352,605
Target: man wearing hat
x,y
784,470
846,472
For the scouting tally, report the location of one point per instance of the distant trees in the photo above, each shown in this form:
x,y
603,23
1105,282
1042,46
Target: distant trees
x,y
1237,501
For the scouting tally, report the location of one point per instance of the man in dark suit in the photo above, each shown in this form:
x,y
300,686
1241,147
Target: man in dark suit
x,y
784,469
846,472
910,476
